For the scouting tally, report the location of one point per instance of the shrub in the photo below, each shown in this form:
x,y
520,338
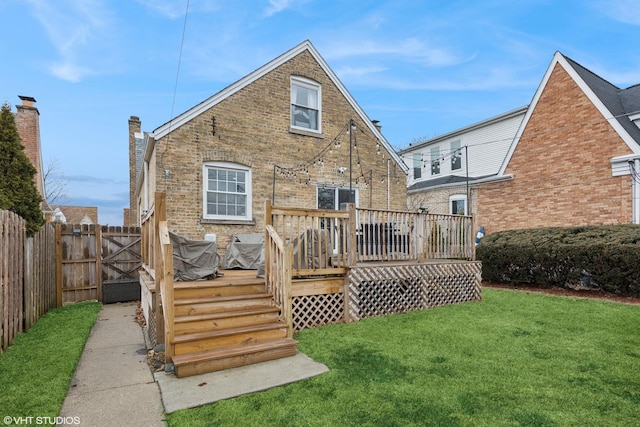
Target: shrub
x,y
606,257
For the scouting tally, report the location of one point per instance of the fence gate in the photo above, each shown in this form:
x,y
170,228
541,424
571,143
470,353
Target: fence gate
x,y
97,263
120,263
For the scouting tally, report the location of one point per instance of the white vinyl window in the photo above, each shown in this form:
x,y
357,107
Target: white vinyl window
x,y
227,191
305,104
417,166
456,156
435,160
336,198
458,204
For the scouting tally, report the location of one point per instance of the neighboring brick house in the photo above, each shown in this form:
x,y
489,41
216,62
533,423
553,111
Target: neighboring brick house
x,y
446,170
281,133
75,215
575,159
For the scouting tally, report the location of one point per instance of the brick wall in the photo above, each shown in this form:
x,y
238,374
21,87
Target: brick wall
x,y
561,167
252,128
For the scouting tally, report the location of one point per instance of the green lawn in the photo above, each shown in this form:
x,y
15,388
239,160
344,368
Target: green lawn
x,y
36,370
514,359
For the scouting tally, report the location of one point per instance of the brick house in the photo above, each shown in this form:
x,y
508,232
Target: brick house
x,y
446,170
289,132
575,159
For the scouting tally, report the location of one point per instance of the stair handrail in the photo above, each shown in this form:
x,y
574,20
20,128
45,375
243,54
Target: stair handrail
x,y
164,276
278,264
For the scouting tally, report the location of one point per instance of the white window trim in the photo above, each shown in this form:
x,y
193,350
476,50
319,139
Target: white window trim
x,y
310,84
249,189
457,197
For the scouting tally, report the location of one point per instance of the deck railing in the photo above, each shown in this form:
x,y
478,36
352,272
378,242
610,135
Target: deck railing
x,y
385,235
278,261
318,237
328,241
157,261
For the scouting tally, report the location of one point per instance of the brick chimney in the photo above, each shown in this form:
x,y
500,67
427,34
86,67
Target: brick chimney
x,y
131,214
27,120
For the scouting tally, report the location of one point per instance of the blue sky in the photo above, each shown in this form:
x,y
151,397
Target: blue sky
x,y
421,67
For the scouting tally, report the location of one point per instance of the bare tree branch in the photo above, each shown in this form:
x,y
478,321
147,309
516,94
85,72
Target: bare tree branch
x,y
55,184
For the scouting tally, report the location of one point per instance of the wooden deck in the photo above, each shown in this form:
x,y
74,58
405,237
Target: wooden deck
x,y
321,267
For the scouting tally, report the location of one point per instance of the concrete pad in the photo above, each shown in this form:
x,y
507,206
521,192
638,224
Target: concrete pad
x,y
189,392
134,405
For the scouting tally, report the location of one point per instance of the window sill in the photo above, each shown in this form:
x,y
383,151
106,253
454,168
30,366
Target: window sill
x,y
306,132
228,221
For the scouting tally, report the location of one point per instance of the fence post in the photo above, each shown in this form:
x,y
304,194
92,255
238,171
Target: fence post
x,y
98,263
58,265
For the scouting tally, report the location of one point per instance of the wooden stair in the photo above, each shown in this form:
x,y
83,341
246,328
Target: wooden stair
x,y
226,322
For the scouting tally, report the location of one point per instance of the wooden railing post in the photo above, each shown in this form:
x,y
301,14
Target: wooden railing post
x,y
352,239
160,214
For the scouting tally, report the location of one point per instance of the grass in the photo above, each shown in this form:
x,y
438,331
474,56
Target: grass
x,y
35,372
514,359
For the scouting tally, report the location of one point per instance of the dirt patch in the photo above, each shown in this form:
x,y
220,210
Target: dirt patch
x,y
580,293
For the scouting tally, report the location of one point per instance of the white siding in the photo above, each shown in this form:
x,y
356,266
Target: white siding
x,y
487,147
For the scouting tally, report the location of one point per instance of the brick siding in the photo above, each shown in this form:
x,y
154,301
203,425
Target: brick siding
x,y
252,129
561,167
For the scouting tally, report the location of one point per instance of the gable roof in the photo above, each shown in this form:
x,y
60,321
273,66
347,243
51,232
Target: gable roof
x,y
615,104
183,118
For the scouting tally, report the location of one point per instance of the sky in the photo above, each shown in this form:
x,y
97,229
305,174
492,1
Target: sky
x,y
423,68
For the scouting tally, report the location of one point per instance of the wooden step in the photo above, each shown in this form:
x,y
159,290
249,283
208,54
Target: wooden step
x,y
217,360
210,340
206,305
215,288
232,318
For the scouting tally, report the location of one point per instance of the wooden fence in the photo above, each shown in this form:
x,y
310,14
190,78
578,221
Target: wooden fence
x,y
62,263
92,257
27,276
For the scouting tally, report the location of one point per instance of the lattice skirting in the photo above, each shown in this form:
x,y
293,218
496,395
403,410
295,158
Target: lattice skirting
x,y
383,290
310,311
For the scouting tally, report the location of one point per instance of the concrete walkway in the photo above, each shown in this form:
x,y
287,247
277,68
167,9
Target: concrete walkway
x,y
113,384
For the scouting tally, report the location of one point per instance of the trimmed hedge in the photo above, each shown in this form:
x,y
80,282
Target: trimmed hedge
x,y
605,257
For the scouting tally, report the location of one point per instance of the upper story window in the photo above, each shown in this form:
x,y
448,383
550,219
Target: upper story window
x,y
306,99
456,155
227,191
417,166
435,160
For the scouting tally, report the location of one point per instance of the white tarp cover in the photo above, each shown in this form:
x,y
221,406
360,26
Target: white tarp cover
x,y
246,251
194,259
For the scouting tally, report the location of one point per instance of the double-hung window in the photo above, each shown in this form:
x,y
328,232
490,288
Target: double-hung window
x,y
435,160
456,156
305,104
417,166
227,191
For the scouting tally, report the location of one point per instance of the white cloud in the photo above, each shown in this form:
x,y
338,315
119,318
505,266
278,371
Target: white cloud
x,y
410,50
626,11
80,32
